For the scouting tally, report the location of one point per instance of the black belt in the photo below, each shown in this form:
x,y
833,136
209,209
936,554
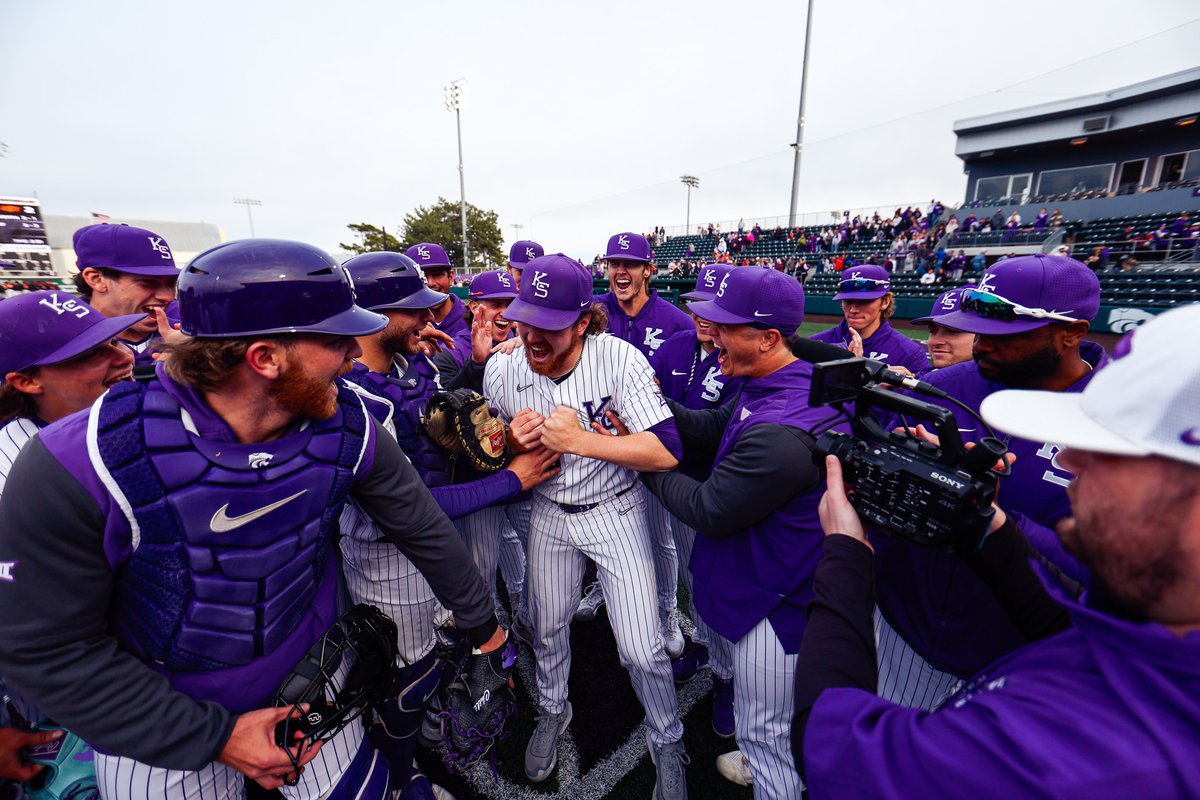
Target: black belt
x,y
570,509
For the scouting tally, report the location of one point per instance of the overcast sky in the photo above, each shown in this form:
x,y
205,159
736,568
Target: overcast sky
x,y
580,118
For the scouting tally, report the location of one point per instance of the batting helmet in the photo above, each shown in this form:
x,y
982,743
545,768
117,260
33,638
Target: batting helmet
x,y
390,280
257,287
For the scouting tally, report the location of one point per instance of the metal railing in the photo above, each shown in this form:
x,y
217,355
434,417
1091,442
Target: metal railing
x,y
803,220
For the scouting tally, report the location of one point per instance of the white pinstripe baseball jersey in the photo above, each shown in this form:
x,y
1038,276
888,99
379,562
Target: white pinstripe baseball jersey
x,y
612,375
13,437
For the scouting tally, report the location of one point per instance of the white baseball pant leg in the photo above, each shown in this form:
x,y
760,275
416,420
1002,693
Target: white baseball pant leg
x,y
720,651
666,559
379,574
905,677
764,702
613,535
480,532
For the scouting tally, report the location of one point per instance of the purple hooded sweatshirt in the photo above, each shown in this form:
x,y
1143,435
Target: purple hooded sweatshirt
x,y
654,324
886,344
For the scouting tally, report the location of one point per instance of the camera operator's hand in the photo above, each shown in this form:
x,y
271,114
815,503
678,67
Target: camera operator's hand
x,y
835,511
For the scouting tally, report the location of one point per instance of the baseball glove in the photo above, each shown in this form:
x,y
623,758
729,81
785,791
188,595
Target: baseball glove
x,y
479,703
461,423
348,670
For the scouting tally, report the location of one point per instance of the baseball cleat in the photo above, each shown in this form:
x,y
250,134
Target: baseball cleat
x,y
694,659
734,767
541,754
722,708
670,779
590,604
673,639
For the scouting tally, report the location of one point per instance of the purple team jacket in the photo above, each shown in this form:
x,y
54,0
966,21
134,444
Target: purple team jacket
x,y
655,323
886,344
937,603
1107,708
765,571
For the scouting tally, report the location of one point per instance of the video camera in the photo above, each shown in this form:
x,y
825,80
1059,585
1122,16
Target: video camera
x,y
935,495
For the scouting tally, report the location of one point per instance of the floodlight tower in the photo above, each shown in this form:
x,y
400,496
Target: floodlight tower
x,y
247,202
692,182
453,97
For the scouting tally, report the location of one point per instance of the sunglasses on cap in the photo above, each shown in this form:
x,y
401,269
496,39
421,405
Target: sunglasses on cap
x,y
993,306
863,285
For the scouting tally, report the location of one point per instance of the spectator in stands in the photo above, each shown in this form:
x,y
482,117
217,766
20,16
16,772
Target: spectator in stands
x,y
958,265
928,277
1056,219
1180,227
867,303
1041,220
979,262
1098,260
971,223
998,220
1161,239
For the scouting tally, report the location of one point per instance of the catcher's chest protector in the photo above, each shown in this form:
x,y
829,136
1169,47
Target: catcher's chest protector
x,y
409,395
230,539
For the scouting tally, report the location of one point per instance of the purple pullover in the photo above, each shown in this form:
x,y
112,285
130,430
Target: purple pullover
x,y
655,323
886,344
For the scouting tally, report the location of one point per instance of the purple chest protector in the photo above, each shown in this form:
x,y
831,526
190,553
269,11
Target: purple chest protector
x,y
230,540
408,395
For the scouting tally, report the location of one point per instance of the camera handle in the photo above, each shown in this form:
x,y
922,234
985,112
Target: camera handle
x,y
941,419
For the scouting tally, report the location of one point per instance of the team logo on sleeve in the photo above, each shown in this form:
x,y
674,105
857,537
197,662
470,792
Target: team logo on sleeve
x,y
623,242
68,306
541,286
159,246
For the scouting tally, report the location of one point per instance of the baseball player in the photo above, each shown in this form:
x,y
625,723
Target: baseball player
x,y
567,375
127,270
439,274
758,536
1040,721
400,379
489,294
520,254
199,509
1028,315
946,345
868,302
57,355
687,369
639,316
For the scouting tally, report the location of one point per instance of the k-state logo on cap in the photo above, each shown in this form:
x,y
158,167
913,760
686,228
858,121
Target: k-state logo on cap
x,y
985,285
529,253
721,290
948,303
710,279
623,241
68,306
541,286
158,245
854,274
504,279
423,252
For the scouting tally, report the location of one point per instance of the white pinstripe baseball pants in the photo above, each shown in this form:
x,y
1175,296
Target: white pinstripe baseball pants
x,y
122,778
379,574
613,535
481,532
666,559
720,651
764,702
514,544
904,676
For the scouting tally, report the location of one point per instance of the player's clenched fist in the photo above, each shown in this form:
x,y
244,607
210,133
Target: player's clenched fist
x,y
563,433
525,430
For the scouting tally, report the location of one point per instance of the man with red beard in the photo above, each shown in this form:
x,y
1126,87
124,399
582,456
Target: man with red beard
x,y
199,510
1104,700
553,391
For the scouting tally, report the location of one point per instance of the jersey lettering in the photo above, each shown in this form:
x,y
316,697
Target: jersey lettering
x,y
877,356
653,339
712,385
596,413
1051,452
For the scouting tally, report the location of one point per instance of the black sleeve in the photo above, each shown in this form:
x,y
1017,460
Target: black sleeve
x,y
1003,564
58,650
470,376
394,497
746,487
447,367
838,648
700,429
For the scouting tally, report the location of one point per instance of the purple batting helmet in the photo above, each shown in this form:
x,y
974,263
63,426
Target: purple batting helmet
x,y
390,280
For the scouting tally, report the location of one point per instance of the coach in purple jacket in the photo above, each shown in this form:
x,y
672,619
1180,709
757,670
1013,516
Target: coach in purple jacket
x,y
756,513
1104,703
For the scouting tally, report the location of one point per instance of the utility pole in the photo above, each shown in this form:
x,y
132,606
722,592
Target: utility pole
x,y
692,182
454,100
798,145
247,202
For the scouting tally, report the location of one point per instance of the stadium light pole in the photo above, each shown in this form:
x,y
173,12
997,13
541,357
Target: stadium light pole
x,y
798,145
692,182
454,92
247,202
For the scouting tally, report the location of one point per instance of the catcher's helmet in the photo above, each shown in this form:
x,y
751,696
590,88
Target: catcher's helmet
x,y
390,280
255,287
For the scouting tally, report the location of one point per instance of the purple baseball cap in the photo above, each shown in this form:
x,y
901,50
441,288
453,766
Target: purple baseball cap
x,y
124,248
555,291
864,282
48,327
524,251
708,279
429,256
761,297
494,285
1041,284
946,303
628,247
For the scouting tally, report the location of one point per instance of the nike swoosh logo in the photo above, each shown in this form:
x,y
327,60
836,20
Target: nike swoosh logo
x,y
673,372
758,314
521,388
966,430
223,524
1190,437
623,511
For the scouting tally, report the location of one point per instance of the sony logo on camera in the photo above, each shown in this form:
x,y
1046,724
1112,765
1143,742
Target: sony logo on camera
x,y
946,479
